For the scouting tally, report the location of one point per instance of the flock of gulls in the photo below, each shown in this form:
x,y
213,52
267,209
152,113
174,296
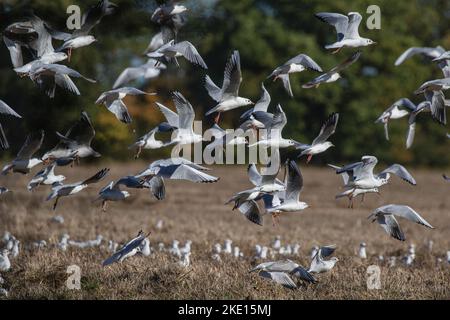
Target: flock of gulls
x,y
267,194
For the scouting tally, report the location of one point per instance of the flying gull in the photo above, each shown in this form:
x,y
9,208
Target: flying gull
x,y
362,176
385,216
24,160
148,141
183,120
281,272
7,110
45,177
273,136
334,74
62,190
76,142
351,193
127,250
171,50
318,264
320,143
291,200
80,37
346,29
228,96
147,71
113,100
177,169
297,64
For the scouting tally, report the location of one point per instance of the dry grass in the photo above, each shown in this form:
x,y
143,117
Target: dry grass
x,y
196,212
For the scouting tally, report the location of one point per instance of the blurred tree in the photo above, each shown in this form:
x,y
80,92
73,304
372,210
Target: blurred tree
x,y
267,33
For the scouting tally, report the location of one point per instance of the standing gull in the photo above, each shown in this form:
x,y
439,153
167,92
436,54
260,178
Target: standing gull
x,y
334,74
297,64
113,100
24,160
385,216
320,143
346,29
228,96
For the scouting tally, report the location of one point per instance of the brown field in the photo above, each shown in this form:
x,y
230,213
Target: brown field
x,y
197,212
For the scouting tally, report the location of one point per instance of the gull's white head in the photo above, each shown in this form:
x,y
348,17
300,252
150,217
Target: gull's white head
x,y
368,42
244,101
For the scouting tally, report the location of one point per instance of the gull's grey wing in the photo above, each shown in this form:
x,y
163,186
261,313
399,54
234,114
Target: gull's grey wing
x,y
185,111
251,211
328,128
399,171
96,177
131,91
405,102
64,81
280,278
437,108
391,226
5,109
326,251
232,76
293,180
303,274
62,69
158,187
337,20
15,52
120,111
305,61
253,175
282,266
129,74
43,44
93,16
404,212
82,131
279,120
430,53
263,103
344,174
213,90
171,117
186,172
286,83
411,130
354,20
347,63
32,144
188,51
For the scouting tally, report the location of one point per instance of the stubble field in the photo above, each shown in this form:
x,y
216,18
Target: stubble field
x,y
197,212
